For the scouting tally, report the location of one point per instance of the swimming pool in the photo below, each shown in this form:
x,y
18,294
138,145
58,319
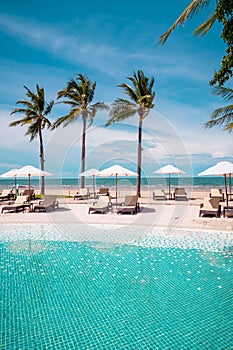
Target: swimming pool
x,y
103,295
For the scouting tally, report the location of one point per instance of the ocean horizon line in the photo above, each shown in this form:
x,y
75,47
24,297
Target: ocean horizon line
x,y
188,181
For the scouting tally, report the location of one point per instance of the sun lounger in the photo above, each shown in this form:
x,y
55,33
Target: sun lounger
x,y
49,202
29,193
102,205
6,195
217,193
210,207
130,205
83,193
159,195
20,204
180,194
104,191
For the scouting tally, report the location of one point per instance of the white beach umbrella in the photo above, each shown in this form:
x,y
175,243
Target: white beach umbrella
x,y
220,169
91,172
29,171
169,169
116,170
10,173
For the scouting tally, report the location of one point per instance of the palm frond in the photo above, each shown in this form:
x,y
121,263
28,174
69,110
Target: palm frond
x,y
48,108
192,9
129,91
220,116
62,93
100,106
206,26
229,127
23,121
46,123
19,110
25,103
121,110
93,109
15,123
29,93
32,131
226,93
150,88
73,104
226,112
67,119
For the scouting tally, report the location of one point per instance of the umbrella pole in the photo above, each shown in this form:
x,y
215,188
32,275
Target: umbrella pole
x,y
116,187
169,186
230,183
225,183
29,184
93,184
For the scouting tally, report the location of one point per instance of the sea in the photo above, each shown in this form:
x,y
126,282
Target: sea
x,y
202,183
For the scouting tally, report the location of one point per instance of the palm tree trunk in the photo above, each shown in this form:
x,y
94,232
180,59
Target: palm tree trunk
x,y
83,147
42,191
139,157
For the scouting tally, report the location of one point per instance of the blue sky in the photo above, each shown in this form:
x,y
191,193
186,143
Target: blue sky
x,y
49,42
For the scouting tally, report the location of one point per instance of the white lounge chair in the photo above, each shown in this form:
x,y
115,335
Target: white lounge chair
x,y
180,194
102,205
49,202
6,195
159,195
130,205
210,207
29,193
217,193
20,204
83,193
103,191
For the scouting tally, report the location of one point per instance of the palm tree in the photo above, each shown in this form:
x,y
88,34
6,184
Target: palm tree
x,y
35,113
141,102
224,115
79,93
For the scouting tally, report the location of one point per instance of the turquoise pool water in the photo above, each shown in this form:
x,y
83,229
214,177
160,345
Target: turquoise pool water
x,y
69,295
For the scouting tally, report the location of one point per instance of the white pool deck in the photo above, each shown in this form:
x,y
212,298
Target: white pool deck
x,y
169,214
